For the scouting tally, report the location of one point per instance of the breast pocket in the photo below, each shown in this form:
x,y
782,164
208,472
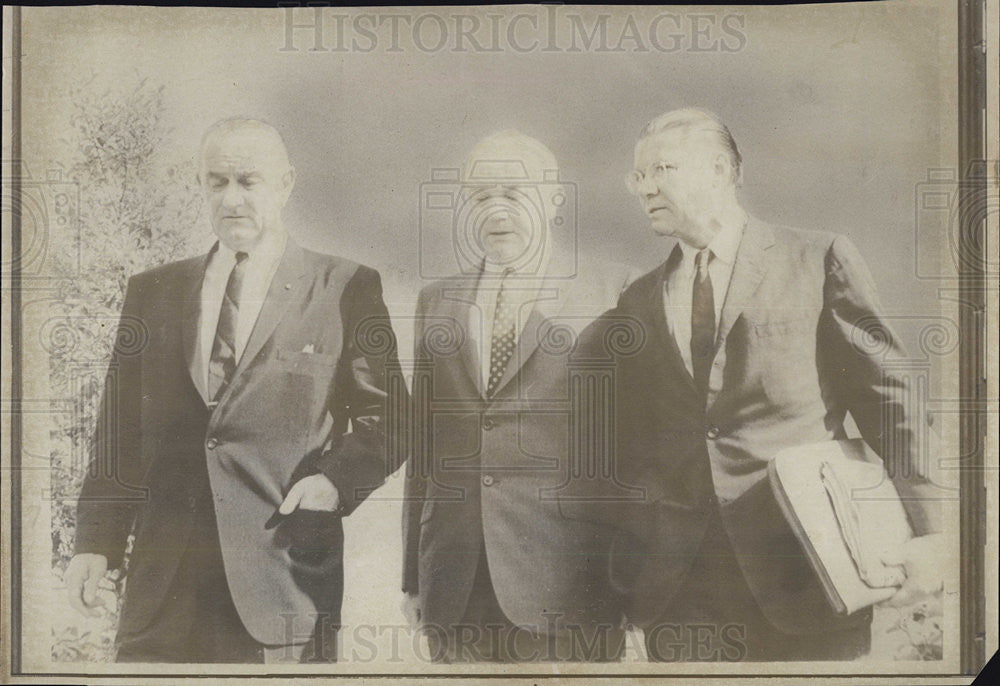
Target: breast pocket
x,y
301,362
302,377
786,329
784,355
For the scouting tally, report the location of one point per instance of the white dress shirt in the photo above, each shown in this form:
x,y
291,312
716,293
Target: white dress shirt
x,y
262,262
679,284
521,290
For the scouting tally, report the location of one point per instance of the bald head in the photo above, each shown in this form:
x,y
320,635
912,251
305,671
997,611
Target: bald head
x,y
506,213
509,155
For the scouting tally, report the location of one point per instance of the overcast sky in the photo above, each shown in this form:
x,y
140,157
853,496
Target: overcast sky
x,y
839,111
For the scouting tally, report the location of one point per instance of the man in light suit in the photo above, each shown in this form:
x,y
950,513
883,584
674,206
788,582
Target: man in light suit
x,y
241,420
492,571
753,343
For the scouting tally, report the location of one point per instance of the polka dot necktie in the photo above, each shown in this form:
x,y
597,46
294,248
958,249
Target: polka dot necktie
x,y
222,364
504,336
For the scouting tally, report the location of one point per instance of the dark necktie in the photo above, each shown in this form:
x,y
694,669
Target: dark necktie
x,y
504,336
223,361
702,321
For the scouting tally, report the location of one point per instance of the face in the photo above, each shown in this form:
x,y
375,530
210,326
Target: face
x,y
508,219
504,214
685,177
246,180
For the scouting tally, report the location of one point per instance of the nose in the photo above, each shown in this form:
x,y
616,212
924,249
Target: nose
x,y
647,187
500,212
232,196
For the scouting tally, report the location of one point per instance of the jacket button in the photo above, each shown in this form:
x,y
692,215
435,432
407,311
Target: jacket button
x,y
211,443
713,432
192,503
487,480
488,424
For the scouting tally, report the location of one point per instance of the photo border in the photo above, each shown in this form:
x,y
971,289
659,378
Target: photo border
x,y
973,286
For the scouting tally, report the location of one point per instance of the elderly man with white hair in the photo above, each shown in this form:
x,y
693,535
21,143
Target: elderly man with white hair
x,y
492,570
242,420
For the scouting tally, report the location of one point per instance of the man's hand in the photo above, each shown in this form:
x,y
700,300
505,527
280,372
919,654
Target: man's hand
x,y
82,575
920,557
314,492
411,610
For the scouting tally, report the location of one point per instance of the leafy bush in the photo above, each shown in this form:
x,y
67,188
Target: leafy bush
x,y
136,211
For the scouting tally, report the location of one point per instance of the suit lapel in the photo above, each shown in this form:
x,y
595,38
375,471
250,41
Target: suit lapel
x,y
286,285
748,272
452,307
457,305
190,322
546,304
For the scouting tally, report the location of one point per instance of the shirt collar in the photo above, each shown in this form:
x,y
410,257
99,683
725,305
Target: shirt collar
x,y
521,269
268,251
725,244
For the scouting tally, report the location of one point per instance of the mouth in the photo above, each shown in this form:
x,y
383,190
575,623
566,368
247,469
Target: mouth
x,y
653,210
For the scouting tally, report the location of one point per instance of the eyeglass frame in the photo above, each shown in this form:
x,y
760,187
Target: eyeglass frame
x,y
635,178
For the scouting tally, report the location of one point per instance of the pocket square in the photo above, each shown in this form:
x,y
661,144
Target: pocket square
x,y
309,349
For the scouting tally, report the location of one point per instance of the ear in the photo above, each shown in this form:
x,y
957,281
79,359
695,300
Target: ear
x,y
722,168
288,182
721,165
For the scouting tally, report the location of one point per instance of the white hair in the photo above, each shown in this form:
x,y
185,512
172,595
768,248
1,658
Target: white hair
x,y
232,124
511,147
697,120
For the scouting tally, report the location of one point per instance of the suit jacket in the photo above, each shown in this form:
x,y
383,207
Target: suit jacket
x,y
486,470
791,359
308,395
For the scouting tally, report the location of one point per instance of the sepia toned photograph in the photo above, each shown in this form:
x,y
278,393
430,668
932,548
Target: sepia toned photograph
x,y
541,343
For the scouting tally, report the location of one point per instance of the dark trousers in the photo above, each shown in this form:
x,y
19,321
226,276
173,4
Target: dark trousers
x,y
485,634
714,617
198,621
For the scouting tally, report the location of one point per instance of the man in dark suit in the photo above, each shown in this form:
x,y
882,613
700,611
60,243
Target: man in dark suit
x,y
753,342
492,571
241,420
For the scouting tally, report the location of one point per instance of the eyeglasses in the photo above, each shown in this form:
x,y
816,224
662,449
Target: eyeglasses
x,y
656,172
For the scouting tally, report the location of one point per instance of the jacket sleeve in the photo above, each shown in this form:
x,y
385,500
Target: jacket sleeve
x,y
111,491
415,484
369,397
874,385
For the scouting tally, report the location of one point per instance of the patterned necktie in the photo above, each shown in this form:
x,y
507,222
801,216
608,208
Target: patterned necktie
x,y
504,336
702,321
223,361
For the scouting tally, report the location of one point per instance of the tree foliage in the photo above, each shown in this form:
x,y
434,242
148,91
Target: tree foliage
x,y
137,209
